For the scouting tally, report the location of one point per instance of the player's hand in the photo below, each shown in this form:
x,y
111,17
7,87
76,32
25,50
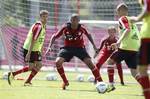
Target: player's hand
x,y
109,48
114,46
27,58
49,49
133,19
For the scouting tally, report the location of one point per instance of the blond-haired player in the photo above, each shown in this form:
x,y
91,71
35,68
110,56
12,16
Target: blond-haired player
x,y
32,49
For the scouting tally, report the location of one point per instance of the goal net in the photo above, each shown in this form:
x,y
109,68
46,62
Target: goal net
x,y
17,17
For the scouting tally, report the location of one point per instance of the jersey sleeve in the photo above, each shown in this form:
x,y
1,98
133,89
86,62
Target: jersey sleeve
x,y
84,30
36,30
124,23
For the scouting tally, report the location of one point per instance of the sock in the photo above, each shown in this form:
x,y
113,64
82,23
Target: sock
x,y
120,72
145,83
32,74
96,74
98,66
62,74
25,69
110,71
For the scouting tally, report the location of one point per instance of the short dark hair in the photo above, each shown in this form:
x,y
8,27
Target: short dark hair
x,y
74,15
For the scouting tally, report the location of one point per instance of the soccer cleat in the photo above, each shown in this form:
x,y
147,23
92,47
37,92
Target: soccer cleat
x,y
95,82
27,84
122,83
10,77
111,88
64,85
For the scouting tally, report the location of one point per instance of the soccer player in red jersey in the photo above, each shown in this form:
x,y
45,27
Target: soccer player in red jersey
x,y
32,49
105,52
73,46
144,53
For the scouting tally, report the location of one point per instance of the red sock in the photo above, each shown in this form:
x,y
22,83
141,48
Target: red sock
x,y
32,74
120,72
110,71
96,74
98,66
25,69
62,74
145,83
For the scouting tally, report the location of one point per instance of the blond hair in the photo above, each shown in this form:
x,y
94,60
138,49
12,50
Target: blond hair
x,y
111,27
43,12
122,5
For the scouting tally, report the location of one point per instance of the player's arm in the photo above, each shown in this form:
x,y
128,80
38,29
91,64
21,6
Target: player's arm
x,y
101,45
90,39
144,12
98,50
36,31
53,38
125,25
123,22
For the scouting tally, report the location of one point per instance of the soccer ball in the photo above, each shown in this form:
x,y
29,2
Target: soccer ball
x,y
51,77
91,78
101,87
80,78
5,75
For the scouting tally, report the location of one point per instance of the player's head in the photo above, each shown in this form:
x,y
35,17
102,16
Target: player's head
x,y
112,31
44,15
122,10
75,18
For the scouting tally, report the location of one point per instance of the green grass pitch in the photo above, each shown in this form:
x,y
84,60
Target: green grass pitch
x,y
42,89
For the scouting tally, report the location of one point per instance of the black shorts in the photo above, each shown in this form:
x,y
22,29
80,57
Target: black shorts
x,y
35,56
144,53
130,57
68,52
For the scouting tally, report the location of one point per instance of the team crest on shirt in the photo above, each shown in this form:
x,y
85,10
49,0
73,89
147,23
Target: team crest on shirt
x,y
135,37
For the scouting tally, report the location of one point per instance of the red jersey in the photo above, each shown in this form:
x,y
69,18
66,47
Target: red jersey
x,y
73,38
106,43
